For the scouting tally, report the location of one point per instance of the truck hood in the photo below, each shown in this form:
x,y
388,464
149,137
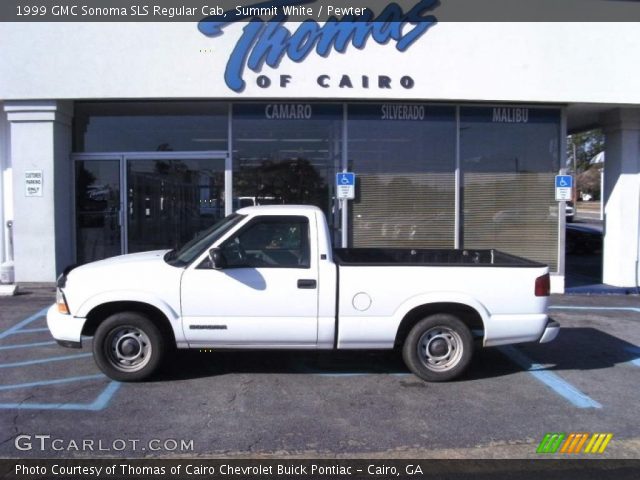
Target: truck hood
x,y
117,271
128,260
136,277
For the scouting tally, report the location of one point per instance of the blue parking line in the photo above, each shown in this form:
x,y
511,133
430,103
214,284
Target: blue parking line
x,y
27,345
24,322
569,307
30,330
550,379
636,350
56,381
101,401
105,397
45,360
98,404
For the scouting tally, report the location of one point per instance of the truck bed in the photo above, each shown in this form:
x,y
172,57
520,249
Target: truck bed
x,y
433,257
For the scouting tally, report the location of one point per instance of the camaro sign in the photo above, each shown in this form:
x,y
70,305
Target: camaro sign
x,y
268,41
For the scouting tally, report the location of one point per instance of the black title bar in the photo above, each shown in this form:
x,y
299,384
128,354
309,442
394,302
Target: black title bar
x,y
129,469
319,10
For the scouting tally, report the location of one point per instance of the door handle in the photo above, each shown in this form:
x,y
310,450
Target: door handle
x,y
306,283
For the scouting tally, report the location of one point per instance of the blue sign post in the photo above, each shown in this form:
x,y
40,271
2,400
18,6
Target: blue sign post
x,y
346,185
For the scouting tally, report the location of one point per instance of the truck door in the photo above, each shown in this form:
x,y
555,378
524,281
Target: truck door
x,y
267,294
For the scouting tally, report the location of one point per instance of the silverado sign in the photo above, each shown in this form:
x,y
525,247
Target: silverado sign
x,y
267,42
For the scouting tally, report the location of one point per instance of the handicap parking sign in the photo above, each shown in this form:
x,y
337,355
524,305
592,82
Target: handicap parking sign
x,y
346,185
564,181
564,187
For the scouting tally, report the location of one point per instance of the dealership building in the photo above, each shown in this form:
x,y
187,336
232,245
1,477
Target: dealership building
x,y
122,137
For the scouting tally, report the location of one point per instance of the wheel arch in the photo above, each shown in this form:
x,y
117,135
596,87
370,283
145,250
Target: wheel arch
x,y
471,316
104,310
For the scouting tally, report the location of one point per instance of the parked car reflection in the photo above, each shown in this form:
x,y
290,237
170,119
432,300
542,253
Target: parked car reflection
x,y
583,240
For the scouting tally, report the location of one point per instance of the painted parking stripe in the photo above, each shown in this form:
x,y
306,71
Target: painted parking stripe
x,y
98,404
45,360
30,330
23,323
101,401
635,350
569,307
550,379
27,345
56,381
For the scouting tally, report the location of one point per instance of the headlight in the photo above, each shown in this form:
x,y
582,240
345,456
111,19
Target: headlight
x,y
61,302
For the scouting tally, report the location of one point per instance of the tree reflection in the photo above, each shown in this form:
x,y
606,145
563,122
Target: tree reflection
x,y
291,181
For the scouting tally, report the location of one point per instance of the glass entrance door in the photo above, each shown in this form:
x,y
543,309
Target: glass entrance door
x,y
128,203
171,198
98,207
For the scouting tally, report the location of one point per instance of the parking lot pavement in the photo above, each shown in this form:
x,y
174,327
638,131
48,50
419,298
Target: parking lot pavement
x,y
324,404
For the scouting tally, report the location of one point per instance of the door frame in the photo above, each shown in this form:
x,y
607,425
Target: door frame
x,y
122,158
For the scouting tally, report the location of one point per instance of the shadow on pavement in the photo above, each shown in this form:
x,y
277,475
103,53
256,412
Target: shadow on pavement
x,y
574,349
583,348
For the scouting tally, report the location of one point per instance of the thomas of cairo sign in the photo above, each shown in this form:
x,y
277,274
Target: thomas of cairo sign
x,y
267,42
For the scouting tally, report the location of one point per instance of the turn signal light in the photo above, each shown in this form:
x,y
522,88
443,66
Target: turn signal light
x,y
61,303
543,286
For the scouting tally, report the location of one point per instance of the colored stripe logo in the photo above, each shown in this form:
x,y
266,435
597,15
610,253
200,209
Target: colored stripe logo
x,y
573,443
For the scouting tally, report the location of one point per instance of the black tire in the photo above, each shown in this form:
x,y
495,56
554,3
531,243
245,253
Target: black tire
x,y
438,348
128,347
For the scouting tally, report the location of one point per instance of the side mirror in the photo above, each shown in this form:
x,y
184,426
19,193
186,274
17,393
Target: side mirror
x,y
217,258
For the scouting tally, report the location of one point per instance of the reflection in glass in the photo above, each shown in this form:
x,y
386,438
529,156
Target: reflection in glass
x,y
509,157
169,201
97,210
286,154
404,158
150,126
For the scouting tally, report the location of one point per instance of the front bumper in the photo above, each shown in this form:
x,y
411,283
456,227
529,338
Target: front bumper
x,y
65,329
550,332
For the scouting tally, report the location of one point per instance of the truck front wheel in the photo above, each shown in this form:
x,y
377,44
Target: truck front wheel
x,y
128,347
438,348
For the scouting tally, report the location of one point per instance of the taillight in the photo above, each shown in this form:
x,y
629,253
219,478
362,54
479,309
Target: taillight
x,y
543,286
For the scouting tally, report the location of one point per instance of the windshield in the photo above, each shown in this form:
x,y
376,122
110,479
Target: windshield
x,y
203,240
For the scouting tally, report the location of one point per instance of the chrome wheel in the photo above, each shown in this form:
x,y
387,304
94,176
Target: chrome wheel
x,y
128,348
440,348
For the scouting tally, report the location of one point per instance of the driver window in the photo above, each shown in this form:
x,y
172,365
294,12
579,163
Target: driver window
x,y
277,242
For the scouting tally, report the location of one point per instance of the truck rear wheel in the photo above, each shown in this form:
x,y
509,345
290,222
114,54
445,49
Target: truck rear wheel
x,y
128,347
438,348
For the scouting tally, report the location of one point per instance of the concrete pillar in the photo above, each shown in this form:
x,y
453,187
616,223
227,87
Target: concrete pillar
x,y
622,197
5,183
43,225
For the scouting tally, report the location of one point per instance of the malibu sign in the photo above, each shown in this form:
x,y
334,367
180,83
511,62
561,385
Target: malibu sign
x,y
267,42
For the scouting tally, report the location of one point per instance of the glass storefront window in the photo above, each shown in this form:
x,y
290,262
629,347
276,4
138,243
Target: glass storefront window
x,y
509,157
97,209
403,154
170,200
150,126
404,158
286,153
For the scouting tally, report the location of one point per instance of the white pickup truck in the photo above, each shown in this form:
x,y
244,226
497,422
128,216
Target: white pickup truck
x,y
266,277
